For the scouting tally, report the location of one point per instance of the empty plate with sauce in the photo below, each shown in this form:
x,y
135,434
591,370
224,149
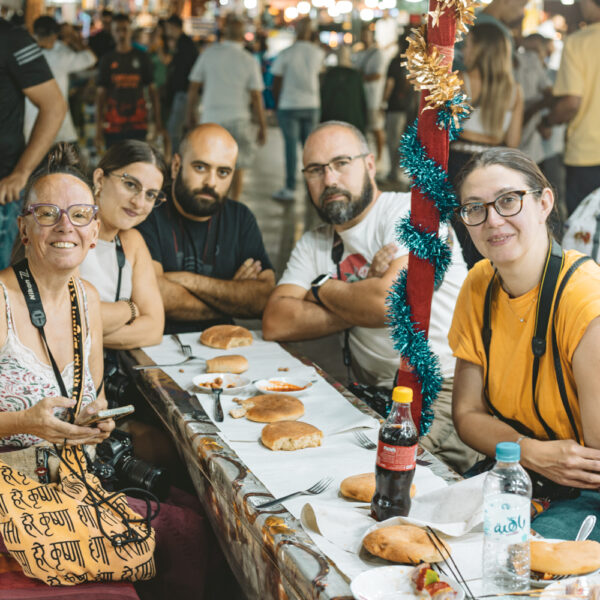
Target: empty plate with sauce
x,y
294,386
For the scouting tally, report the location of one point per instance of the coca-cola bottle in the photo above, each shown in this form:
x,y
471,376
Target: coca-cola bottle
x,y
396,459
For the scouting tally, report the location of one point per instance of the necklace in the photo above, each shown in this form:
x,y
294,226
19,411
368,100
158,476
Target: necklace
x,y
514,312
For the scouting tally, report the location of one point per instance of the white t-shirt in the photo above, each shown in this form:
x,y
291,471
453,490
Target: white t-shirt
x,y
369,62
299,65
372,348
101,269
228,73
62,60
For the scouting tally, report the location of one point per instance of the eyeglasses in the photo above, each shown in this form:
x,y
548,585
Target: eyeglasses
x,y
47,215
340,164
133,187
508,204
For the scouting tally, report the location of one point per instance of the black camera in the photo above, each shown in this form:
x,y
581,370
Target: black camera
x,y
118,387
377,398
117,468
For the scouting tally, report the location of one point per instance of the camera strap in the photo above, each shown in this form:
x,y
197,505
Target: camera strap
x,y
544,309
337,251
38,319
120,263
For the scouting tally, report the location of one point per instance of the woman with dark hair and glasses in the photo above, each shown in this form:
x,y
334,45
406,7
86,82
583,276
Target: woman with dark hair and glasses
x,y
526,335
127,186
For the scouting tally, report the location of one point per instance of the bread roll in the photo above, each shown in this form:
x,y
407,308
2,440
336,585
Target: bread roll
x,y
565,558
269,408
362,487
291,435
228,363
226,336
402,544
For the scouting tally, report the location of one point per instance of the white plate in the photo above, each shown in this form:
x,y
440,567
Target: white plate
x,y
558,588
263,385
237,382
392,583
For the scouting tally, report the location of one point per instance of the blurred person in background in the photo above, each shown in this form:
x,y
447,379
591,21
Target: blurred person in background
x,y
230,80
371,63
497,101
183,56
343,93
296,92
103,41
401,103
121,111
63,57
24,73
578,104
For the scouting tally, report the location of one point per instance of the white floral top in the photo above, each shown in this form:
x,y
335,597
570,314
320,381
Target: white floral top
x,y
25,380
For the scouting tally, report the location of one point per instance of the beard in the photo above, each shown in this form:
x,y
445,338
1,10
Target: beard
x,y
338,212
190,201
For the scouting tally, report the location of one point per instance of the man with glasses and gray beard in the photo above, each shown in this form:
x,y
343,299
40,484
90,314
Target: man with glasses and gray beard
x,y
339,275
207,250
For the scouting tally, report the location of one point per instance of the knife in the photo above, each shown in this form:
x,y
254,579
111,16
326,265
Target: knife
x,y
218,408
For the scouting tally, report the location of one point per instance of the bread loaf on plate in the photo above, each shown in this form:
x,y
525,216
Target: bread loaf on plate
x,y
362,487
226,336
565,558
228,363
269,408
291,435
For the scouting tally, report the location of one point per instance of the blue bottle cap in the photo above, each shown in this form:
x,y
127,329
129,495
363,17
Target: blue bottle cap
x,y
508,452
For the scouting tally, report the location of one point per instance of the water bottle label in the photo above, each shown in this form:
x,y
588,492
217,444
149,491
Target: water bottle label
x,y
396,458
506,518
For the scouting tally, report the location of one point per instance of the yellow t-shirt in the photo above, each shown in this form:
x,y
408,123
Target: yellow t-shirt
x,y
511,358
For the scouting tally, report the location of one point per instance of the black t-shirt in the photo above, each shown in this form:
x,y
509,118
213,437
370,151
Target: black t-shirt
x,y
22,65
124,75
179,68
181,244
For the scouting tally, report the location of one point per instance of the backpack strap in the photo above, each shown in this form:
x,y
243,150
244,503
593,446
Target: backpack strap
x,y
560,380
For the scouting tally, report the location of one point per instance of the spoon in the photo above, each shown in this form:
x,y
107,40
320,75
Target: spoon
x,y
586,528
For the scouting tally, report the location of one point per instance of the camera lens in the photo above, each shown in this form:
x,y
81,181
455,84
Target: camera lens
x,y
139,474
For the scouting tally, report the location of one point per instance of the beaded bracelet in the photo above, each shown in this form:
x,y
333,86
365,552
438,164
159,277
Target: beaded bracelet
x,y
132,309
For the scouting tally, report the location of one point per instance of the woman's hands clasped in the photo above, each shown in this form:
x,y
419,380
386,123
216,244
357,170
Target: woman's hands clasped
x,y
40,420
564,461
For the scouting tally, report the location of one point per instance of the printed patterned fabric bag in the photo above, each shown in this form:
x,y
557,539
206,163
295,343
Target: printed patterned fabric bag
x,y
72,531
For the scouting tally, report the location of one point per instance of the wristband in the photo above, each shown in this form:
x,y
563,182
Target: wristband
x,y
132,309
523,437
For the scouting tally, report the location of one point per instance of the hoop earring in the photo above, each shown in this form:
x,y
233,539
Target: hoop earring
x,y
93,245
24,241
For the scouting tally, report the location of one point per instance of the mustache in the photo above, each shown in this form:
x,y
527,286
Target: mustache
x,y
328,192
207,191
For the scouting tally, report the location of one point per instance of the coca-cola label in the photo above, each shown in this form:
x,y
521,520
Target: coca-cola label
x,y
396,458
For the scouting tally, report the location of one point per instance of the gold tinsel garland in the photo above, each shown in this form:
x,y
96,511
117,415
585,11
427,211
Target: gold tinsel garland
x,y
428,67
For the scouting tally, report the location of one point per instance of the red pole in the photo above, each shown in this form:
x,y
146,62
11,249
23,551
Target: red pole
x,y
424,213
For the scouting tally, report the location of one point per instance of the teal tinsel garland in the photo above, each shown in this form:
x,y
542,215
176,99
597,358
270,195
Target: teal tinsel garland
x,y
432,179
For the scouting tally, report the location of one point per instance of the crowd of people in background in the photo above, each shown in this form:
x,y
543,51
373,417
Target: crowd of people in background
x,y
170,124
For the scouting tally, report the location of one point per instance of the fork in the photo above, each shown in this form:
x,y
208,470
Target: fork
x,y
185,348
181,362
315,489
364,441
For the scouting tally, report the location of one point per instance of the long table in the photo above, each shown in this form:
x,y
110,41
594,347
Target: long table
x,y
269,552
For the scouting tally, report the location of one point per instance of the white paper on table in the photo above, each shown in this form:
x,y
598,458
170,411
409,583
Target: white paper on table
x,y
343,522
454,511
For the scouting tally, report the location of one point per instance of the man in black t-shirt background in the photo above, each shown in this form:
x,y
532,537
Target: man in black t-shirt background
x,y
123,74
207,249
23,72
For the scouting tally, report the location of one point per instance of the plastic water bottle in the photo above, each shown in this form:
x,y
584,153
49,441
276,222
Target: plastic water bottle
x,y
506,520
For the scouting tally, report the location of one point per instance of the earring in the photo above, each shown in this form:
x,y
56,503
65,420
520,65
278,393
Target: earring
x,y
93,245
24,241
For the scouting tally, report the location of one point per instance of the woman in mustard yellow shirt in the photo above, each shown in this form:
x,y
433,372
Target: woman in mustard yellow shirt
x,y
506,204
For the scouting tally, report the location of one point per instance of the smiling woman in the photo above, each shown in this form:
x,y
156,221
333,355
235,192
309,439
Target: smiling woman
x,y
127,186
506,205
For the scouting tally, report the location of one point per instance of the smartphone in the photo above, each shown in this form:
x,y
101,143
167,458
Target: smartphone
x,y
110,413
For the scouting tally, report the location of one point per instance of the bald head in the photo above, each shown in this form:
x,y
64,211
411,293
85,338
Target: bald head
x,y
202,171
